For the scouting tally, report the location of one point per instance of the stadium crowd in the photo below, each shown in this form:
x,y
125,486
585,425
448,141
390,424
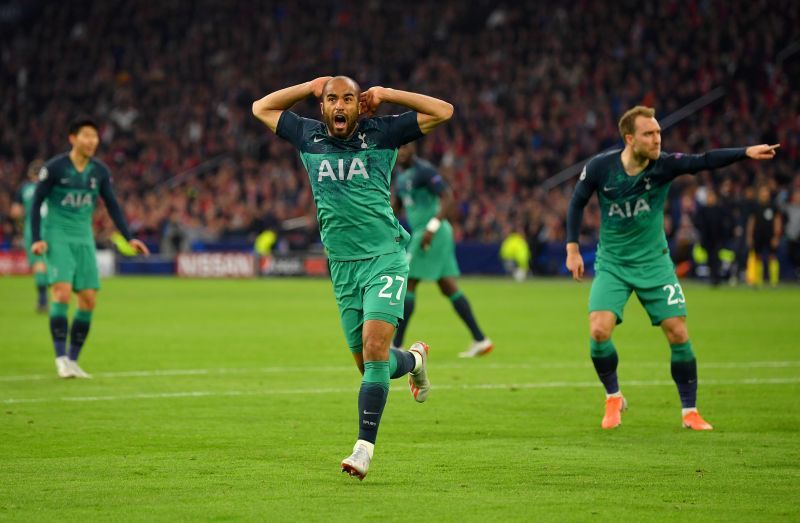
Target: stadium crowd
x,y
537,88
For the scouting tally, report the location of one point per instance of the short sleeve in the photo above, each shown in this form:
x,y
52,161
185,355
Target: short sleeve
x,y
291,128
399,129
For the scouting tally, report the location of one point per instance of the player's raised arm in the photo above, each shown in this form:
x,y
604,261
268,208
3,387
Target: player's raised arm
x,y
431,112
269,108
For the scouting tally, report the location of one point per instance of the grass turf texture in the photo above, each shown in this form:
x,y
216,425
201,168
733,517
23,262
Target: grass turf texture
x,y
246,404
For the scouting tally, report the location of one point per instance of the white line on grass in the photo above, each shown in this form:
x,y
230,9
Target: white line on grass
x,y
339,368
312,391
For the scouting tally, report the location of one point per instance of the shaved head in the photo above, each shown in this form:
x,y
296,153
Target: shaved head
x,y
349,82
340,105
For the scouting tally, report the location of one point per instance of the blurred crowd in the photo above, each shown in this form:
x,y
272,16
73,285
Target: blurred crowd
x,y
538,87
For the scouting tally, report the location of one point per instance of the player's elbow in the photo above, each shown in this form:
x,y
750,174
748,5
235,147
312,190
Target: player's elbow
x,y
447,111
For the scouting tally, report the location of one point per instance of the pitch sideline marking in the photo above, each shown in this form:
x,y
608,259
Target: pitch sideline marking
x,y
338,390
338,368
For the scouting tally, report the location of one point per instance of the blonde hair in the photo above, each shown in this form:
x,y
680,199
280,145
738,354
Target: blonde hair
x,y
628,120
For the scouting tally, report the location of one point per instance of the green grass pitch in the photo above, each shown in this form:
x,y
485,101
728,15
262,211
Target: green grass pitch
x,y
236,400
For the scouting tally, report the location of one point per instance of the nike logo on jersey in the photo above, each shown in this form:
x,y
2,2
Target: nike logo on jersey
x,y
64,181
317,140
606,188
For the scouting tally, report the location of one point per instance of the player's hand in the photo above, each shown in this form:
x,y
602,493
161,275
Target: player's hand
x,y
370,100
39,248
317,84
774,242
140,247
575,265
427,238
762,152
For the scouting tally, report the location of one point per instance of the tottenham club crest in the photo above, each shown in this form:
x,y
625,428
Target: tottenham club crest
x,y
363,138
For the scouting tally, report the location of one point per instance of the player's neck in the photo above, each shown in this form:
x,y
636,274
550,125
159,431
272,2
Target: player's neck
x,y
79,160
632,162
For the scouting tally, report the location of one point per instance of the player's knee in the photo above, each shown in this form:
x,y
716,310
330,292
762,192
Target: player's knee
x,y
676,332
375,347
600,331
87,302
601,325
61,293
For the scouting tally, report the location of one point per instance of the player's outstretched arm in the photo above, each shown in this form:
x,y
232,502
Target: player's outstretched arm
x,y
716,158
269,108
431,112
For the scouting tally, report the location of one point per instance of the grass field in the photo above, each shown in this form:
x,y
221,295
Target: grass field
x,y
235,400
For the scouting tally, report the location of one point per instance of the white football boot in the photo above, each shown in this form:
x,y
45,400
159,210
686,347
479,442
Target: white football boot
x,y
477,348
418,378
357,463
63,368
77,371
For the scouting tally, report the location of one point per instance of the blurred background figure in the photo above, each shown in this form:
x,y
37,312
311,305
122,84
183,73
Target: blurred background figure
x,y
516,254
764,234
792,212
712,222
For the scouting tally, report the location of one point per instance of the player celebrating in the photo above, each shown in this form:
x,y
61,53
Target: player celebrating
x,y
22,209
70,184
349,163
427,200
632,255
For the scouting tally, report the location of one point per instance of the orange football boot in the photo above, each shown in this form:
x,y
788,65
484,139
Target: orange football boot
x,y
614,407
694,421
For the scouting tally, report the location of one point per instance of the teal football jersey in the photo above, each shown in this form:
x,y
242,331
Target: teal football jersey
x,y
351,181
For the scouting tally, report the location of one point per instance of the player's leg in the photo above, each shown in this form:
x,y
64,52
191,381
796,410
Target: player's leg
x,y
607,299
683,366
59,326
40,277
665,303
384,288
481,345
87,281
386,298
61,274
408,310
39,270
81,322
372,394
